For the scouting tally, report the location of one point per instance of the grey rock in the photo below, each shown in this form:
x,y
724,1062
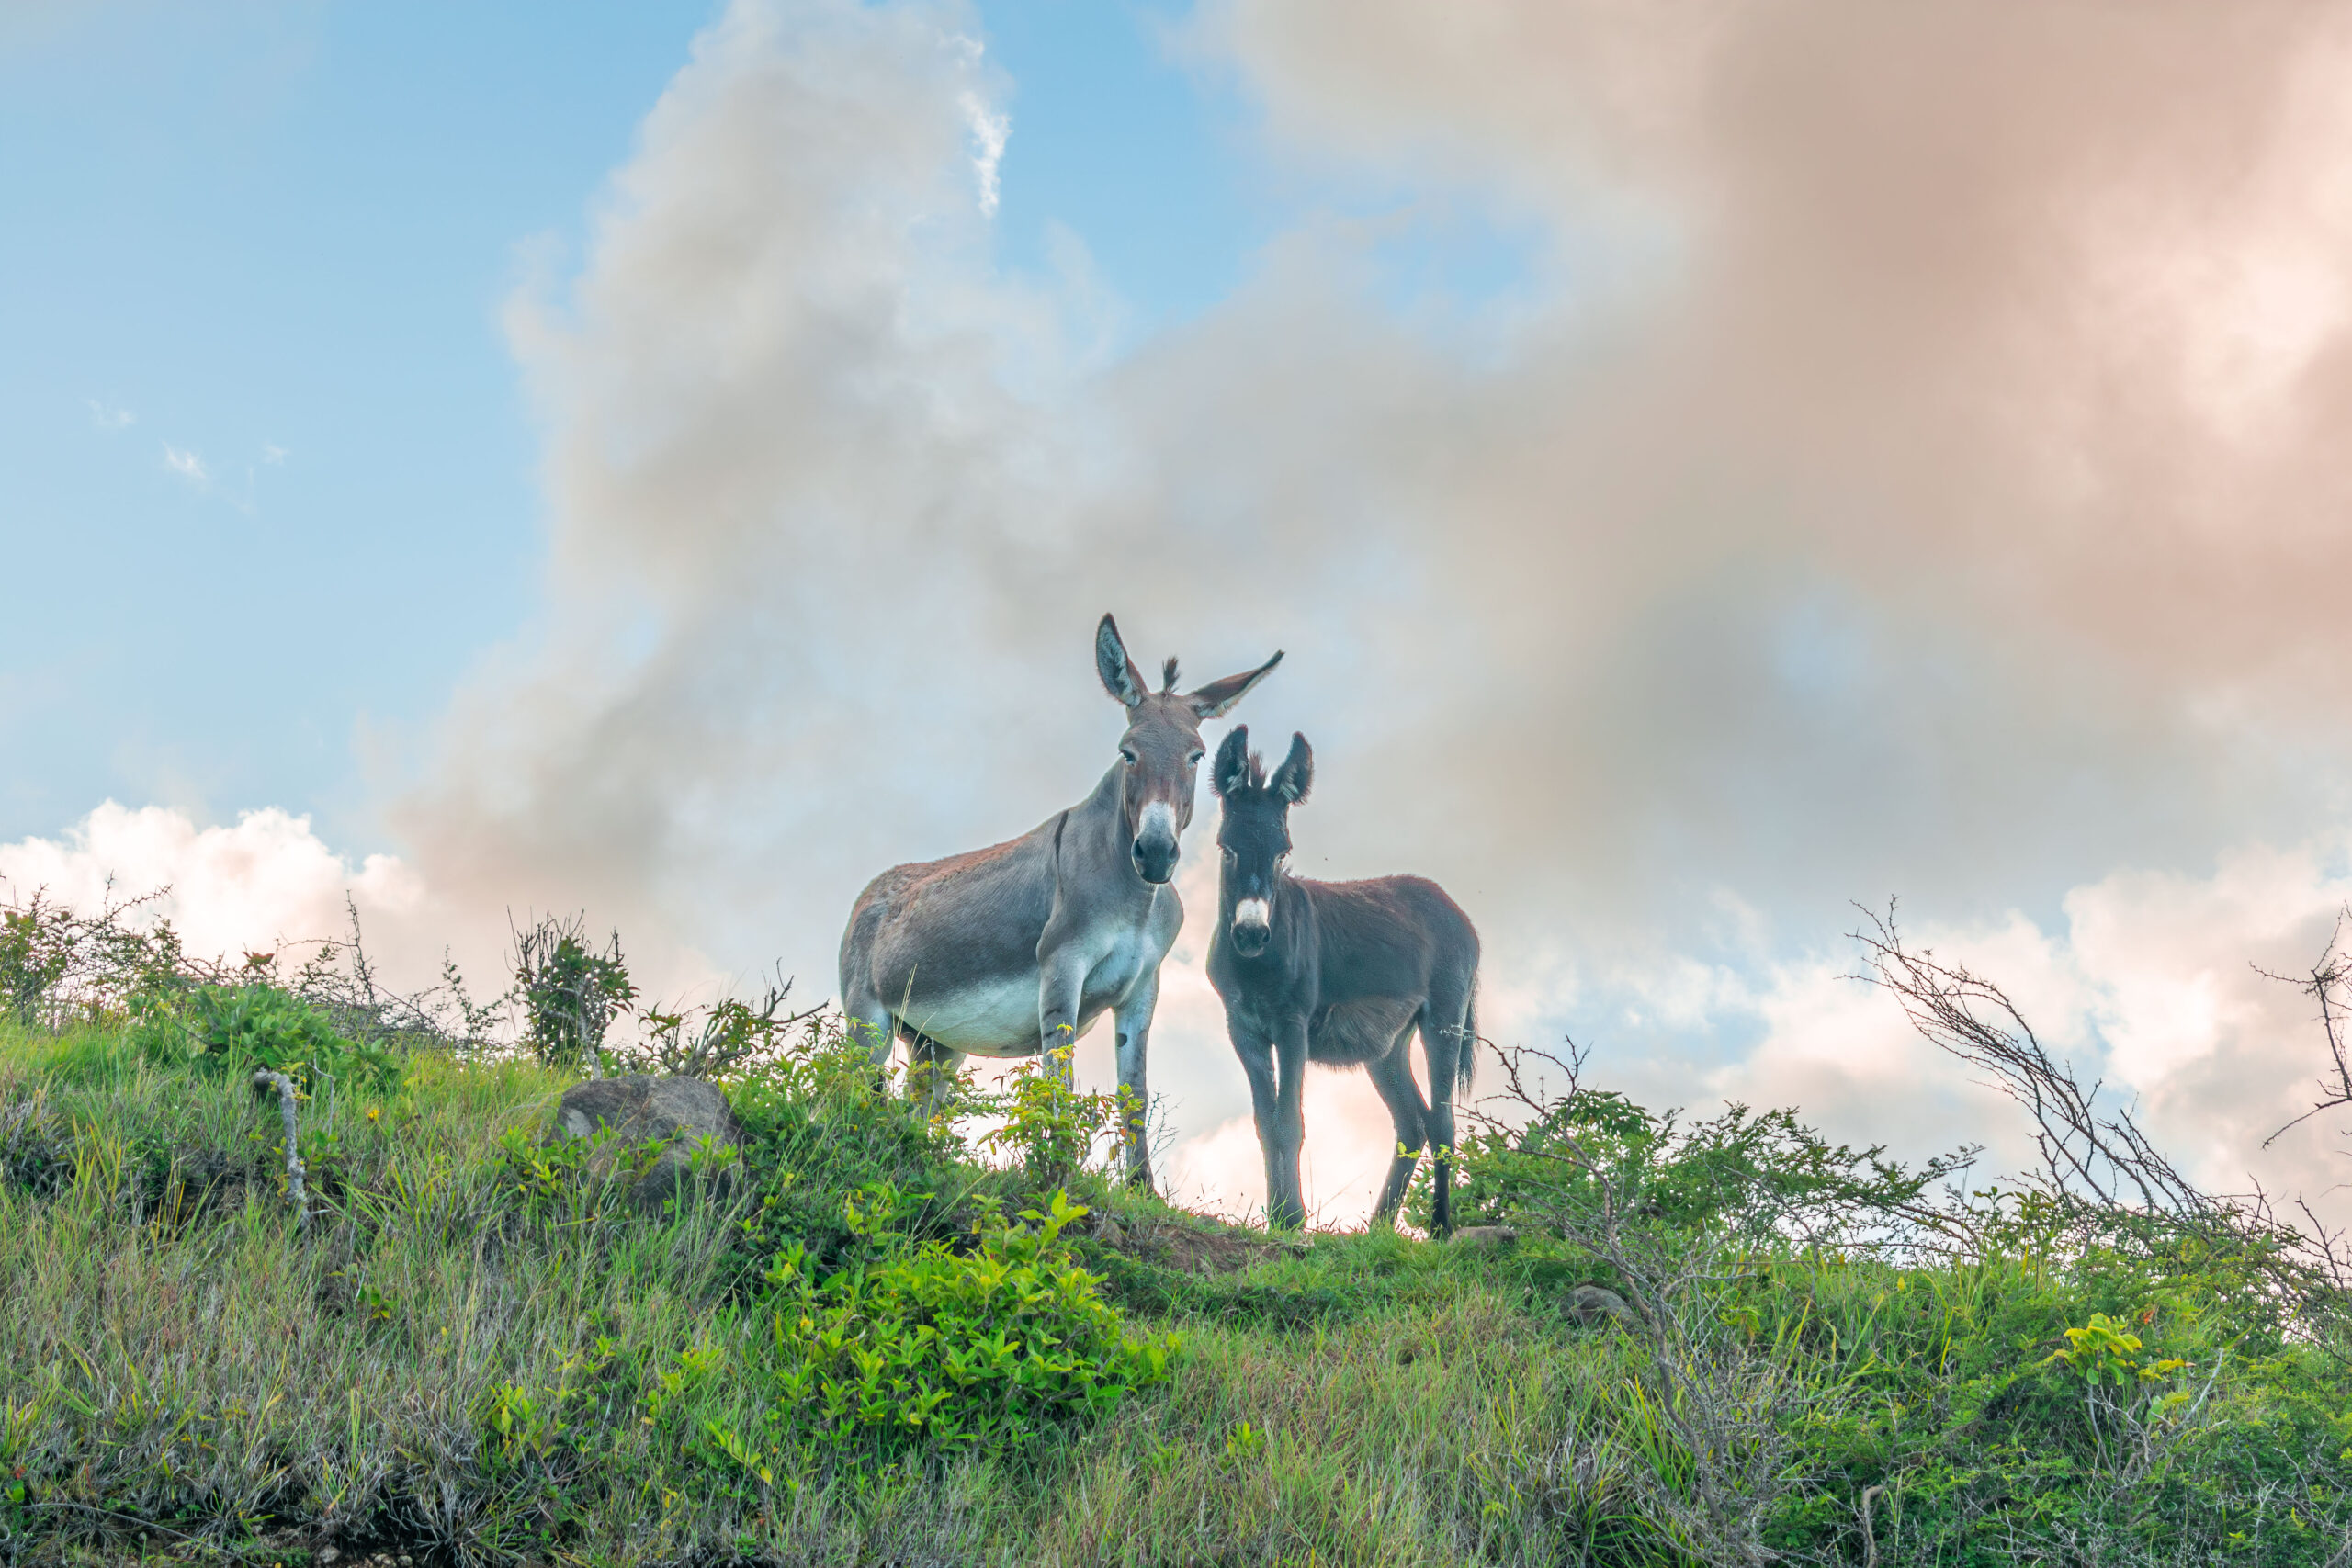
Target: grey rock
x,y
686,1114
1588,1305
1490,1238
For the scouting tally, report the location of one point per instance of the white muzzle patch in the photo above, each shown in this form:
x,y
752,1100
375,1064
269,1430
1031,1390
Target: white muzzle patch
x,y
1253,912
1159,817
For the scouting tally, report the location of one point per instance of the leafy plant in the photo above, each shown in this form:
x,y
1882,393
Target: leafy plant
x,y
235,1030
929,1346
705,1043
1050,1124
2105,1351
571,993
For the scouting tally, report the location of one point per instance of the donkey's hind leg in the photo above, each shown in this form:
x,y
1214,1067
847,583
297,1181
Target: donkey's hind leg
x,y
932,1069
1391,1075
1449,1038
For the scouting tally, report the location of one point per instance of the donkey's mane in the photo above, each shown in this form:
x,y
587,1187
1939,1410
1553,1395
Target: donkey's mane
x,y
1168,676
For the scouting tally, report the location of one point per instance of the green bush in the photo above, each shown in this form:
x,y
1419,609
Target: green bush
x,y
926,1346
236,1030
571,993
1593,1159
1049,1122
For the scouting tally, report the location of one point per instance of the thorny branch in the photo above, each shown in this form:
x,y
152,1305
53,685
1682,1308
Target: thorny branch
x,y
727,1034
2082,1149
2100,1174
2326,983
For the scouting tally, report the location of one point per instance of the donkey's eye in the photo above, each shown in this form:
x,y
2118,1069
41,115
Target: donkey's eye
x,y
1194,760
1228,855
1127,756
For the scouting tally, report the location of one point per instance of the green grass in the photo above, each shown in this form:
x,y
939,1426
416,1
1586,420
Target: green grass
x,y
477,1352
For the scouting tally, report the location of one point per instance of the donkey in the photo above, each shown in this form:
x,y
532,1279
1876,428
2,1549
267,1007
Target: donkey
x,y
1339,972
1018,948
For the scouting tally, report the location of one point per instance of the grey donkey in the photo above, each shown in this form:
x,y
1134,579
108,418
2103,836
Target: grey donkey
x,y
1341,973
1017,949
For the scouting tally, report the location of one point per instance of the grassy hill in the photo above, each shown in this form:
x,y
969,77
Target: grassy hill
x,y
856,1340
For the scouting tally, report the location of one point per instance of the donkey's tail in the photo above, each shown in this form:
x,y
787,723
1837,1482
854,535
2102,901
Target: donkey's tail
x,y
1466,1064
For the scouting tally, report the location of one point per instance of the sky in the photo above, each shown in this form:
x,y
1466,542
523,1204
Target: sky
x,y
1707,467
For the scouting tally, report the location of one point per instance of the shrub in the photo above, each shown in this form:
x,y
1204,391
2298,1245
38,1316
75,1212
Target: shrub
x,y
1591,1161
1049,1122
571,993
926,1346
235,1030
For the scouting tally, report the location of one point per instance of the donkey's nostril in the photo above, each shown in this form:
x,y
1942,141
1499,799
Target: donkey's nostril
x,y
1154,861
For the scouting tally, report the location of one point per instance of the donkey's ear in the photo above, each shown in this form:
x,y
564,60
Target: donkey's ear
x,y
1216,699
1232,770
1297,772
1120,676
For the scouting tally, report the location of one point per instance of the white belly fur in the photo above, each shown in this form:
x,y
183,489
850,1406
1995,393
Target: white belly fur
x,y
999,1018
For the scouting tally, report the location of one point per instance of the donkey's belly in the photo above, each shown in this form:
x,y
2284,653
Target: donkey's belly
x,y
1351,1033
989,1017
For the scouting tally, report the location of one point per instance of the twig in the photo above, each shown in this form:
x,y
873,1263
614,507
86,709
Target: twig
x,y
2324,985
295,1192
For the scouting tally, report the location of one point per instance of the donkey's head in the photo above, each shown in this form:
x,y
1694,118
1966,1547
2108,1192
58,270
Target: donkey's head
x,y
1160,752
1254,832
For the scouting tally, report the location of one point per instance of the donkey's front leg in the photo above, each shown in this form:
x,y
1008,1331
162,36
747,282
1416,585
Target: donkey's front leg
x,y
1061,982
1290,1122
1257,1056
1134,1019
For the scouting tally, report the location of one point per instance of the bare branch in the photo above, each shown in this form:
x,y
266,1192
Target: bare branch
x,y
2083,1149
296,1193
2326,983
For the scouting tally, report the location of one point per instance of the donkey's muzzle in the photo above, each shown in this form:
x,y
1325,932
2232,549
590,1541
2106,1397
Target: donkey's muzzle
x,y
1154,857
1253,927
1155,846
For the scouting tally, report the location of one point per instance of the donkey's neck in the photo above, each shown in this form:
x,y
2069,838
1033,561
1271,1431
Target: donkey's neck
x,y
1097,827
1104,807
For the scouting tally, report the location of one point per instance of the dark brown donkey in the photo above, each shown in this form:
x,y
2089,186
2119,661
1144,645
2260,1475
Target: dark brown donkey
x,y
1341,973
1010,951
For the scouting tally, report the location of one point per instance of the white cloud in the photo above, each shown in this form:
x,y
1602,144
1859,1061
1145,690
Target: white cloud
x,y
991,129
1890,541
2154,983
188,465
232,889
107,417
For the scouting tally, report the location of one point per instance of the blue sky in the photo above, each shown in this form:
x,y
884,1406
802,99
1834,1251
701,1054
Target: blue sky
x,y
277,239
